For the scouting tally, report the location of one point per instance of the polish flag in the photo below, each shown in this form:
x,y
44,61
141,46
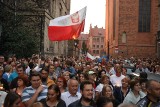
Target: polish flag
x,y
67,27
90,56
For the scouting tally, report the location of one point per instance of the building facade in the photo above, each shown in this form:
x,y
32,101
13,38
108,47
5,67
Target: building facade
x,y
82,44
158,33
131,27
96,43
36,15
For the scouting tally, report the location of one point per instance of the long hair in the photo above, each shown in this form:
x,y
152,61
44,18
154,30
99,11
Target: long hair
x,y
103,93
56,89
64,81
10,99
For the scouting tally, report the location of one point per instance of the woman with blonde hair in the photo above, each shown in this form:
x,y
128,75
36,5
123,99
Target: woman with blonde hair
x,y
107,91
121,92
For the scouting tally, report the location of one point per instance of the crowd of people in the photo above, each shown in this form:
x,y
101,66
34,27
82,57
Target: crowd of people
x,y
78,82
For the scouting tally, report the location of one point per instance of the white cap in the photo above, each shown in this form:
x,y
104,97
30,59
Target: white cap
x,y
91,72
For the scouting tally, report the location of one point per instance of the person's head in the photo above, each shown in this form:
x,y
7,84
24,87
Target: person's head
x,y
20,70
61,82
56,63
91,75
53,93
13,64
72,86
127,105
66,75
81,77
124,71
13,100
1,71
105,79
143,83
107,91
51,68
86,88
35,59
153,89
102,73
125,82
1,59
44,73
104,102
88,66
8,68
23,80
135,85
143,75
157,68
35,80
31,65
118,70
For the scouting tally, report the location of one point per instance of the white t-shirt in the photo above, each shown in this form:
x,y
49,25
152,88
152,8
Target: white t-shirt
x,y
2,97
116,81
99,87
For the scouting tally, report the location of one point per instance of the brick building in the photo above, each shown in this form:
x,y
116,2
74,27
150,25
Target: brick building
x,y
96,43
158,33
83,38
131,27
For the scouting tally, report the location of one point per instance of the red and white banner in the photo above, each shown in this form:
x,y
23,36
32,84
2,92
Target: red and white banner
x,y
90,56
67,27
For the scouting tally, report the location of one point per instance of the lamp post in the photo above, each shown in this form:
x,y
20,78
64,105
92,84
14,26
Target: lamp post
x,y
75,45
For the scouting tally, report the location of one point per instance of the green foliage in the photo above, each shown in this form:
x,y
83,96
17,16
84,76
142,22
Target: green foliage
x,y
16,38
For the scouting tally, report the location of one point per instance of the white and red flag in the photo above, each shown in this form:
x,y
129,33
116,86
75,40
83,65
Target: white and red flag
x,y
67,27
90,56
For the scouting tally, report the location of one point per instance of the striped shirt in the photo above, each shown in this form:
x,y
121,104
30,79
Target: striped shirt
x,y
68,98
28,92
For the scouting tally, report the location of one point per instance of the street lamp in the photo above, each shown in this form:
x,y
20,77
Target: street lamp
x,y
75,45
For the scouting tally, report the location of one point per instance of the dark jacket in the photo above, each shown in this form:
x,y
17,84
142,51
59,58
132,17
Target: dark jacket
x,y
145,102
61,103
118,94
78,104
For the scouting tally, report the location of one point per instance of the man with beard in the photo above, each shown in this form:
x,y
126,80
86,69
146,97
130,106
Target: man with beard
x,y
152,99
86,100
45,78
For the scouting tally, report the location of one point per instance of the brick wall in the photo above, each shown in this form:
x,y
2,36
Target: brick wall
x,y
126,19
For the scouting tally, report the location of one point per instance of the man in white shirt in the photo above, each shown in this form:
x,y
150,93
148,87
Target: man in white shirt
x,y
72,94
116,78
2,97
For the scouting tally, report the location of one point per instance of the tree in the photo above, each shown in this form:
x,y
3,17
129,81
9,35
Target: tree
x,y
16,38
